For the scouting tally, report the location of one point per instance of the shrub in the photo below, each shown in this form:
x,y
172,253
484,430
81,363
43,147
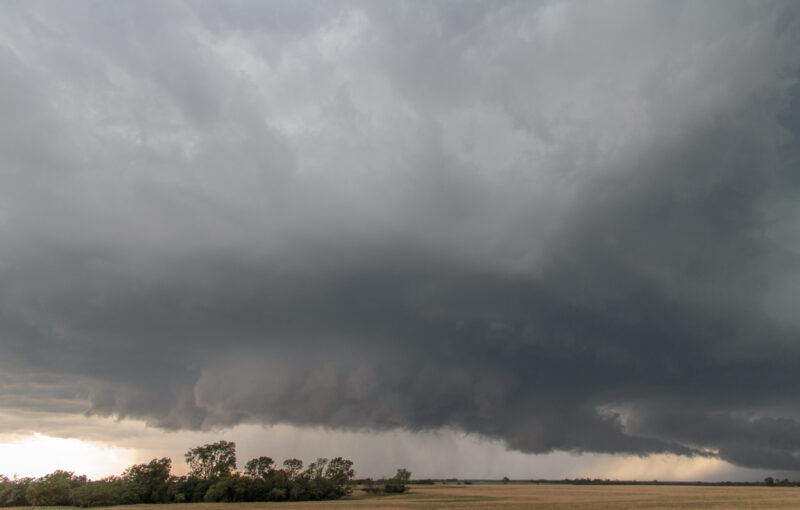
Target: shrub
x,y
53,489
12,493
393,487
107,492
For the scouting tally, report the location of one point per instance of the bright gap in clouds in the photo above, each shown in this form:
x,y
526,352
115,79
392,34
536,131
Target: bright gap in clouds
x,y
37,455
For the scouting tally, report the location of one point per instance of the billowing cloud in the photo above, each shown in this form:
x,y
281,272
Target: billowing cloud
x,y
562,226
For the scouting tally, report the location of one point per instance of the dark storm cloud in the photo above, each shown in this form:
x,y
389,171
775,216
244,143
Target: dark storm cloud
x,y
569,227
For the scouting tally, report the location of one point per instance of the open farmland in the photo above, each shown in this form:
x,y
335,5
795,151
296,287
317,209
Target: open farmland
x,y
519,496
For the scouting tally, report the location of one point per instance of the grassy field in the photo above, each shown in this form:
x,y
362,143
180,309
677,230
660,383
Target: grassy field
x,y
519,496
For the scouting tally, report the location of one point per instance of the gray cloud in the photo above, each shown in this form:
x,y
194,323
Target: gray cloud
x,y
568,227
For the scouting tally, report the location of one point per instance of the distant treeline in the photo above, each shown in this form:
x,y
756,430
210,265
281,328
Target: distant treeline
x,y
213,478
769,481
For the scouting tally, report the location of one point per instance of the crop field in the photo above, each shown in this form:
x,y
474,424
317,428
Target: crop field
x,y
519,496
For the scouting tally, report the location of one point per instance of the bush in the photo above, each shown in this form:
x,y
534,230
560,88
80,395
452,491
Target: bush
x,y
394,487
189,489
12,493
148,482
398,482
53,489
227,490
107,492
277,494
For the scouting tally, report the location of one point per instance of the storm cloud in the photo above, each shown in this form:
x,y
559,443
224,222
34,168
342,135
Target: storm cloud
x,y
566,226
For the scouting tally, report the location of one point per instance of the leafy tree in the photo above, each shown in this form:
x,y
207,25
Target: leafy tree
x,y
506,479
148,482
12,492
280,479
259,468
311,484
228,489
316,468
398,482
340,473
340,470
292,467
53,489
189,489
212,460
107,492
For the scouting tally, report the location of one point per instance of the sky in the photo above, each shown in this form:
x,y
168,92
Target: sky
x,y
473,239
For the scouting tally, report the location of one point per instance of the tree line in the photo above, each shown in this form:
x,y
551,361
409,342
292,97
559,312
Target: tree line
x,y
213,477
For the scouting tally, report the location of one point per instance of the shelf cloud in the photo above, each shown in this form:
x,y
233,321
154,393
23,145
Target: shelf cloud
x,y
565,226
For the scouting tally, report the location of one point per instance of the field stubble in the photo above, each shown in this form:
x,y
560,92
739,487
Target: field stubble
x,y
519,496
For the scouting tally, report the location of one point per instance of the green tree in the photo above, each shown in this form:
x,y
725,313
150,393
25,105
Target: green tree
x,y
228,489
53,489
293,467
398,482
340,472
403,475
12,492
148,482
259,468
316,468
212,460
107,492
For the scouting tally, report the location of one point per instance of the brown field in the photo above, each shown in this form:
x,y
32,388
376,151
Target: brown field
x,y
518,496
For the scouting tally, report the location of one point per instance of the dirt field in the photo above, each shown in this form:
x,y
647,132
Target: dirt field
x,y
519,496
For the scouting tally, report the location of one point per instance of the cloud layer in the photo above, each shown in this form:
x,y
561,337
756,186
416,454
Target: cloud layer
x,y
564,226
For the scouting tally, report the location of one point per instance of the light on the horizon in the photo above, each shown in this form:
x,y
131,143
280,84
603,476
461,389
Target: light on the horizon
x,y
662,467
37,455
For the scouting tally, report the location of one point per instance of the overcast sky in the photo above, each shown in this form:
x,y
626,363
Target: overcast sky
x,y
527,228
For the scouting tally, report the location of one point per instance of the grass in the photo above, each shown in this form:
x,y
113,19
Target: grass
x,y
524,496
